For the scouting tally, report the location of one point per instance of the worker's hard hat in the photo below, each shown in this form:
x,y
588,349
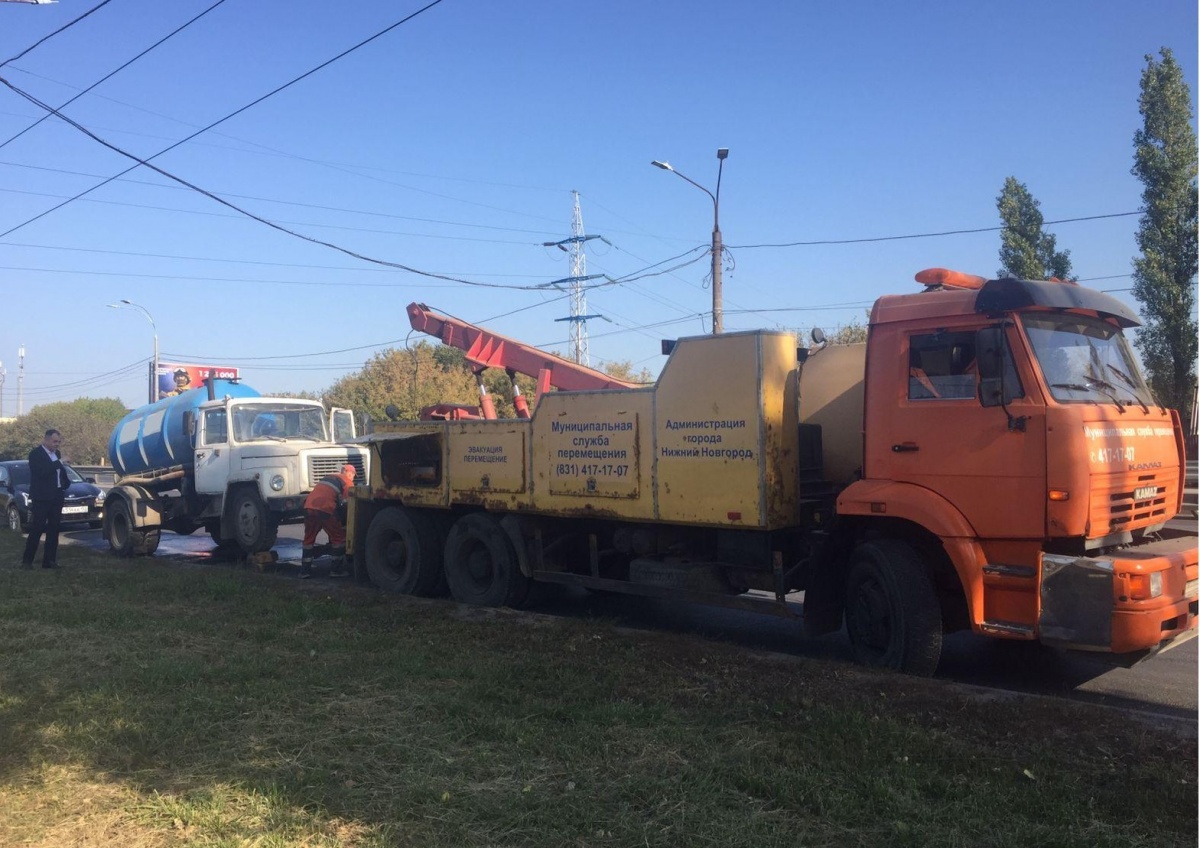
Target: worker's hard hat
x,y
349,469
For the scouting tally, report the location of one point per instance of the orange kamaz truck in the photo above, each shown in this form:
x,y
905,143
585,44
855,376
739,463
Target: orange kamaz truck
x,y
990,459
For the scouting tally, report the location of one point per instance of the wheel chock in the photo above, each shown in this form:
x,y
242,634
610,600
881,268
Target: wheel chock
x,y
262,561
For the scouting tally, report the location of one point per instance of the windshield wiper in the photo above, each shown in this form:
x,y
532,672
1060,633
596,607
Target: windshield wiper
x,y
1127,380
1107,388
1075,387
1080,387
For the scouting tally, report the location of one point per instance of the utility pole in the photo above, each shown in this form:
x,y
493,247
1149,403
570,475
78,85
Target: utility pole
x,y
579,275
20,381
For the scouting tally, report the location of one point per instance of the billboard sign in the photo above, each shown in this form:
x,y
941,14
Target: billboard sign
x,y
174,378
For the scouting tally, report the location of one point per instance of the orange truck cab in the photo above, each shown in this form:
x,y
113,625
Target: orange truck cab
x,y
1009,419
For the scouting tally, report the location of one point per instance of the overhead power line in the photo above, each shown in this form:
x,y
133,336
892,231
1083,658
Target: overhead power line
x,y
146,162
311,239
242,214
62,28
923,235
112,73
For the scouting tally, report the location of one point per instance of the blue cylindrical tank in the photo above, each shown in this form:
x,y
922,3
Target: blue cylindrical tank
x,y
153,436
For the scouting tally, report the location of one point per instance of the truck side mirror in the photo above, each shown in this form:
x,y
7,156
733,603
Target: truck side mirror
x,y
991,357
189,423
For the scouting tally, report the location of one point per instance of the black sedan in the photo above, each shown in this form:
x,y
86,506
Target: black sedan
x,y
84,500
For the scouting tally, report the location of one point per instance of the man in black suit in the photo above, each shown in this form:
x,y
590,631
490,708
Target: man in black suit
x,y
47,484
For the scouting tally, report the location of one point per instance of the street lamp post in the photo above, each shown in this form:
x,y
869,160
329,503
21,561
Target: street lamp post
x,y
718,318
154,328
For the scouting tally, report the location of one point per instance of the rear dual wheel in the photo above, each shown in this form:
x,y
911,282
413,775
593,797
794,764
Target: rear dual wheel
x,y
481,564
403,552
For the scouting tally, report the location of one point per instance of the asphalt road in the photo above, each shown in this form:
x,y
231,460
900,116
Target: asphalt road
x,y
1165,684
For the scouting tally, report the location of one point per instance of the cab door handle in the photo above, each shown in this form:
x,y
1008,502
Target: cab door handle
x,y
905,447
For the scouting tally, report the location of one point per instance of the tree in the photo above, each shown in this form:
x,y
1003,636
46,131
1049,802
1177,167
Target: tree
x,y
847,334
86,425
622,369
1164,276
1026,252
427,374
408,379
852,333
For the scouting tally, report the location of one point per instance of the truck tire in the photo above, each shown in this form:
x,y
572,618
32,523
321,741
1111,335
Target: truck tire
x,y
253,529
403,552
892,612
15,523
124,539
481,565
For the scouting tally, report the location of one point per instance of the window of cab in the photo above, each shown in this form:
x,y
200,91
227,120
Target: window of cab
x,y
942,366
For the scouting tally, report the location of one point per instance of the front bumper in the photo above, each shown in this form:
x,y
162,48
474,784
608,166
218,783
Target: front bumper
x,y
286,509
1093,603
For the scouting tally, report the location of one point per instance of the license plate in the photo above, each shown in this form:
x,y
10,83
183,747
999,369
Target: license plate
x,y
1190,590
1143,493
73,510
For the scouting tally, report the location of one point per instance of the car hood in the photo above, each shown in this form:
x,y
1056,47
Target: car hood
x,y
76,491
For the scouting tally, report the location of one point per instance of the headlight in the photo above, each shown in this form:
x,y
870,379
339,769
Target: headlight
x,y
25,499
100,497
277,483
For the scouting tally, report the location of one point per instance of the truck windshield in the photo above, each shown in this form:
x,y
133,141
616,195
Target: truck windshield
x,y
1086,360
265,422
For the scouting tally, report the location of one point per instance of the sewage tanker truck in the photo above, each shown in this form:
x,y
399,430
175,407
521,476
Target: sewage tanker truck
x,y
222,458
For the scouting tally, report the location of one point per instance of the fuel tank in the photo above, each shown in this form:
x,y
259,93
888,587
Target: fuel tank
x,y
153,436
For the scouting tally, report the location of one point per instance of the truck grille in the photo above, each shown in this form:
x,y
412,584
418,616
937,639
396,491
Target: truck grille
x,y
1132,502
323,466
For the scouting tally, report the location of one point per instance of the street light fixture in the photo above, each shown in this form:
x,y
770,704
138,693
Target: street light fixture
x,y
154,363
718,322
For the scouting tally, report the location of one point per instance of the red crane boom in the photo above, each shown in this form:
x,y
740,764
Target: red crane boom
x,y
485,349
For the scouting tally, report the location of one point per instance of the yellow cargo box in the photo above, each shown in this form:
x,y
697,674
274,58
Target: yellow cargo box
x,y
713,442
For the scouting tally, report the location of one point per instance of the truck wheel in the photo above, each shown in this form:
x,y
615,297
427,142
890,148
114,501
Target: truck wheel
x,y
124,539
15,523
892,613
481,565
253,529
404,553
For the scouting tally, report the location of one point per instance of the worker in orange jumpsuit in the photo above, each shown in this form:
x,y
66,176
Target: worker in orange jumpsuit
x,y
320,513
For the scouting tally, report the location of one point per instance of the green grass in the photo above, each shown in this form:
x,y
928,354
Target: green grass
x,y
147,703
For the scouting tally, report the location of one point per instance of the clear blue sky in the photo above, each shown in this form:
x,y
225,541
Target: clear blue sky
x,y
452,144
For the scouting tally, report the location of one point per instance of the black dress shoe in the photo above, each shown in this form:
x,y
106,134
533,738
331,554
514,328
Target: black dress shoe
x,y
49,565
26,565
